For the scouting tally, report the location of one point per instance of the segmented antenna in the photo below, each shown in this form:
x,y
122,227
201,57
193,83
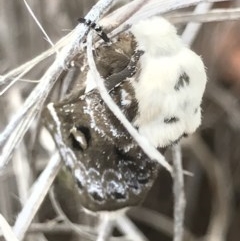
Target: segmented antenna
x,y
95,27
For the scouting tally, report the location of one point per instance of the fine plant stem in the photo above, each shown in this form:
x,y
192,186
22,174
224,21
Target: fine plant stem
x,y
127,227
178,192
214,15
39,192
221,189
190,32
105,227
81,230
7,230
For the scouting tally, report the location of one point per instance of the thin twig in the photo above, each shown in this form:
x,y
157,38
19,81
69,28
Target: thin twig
x,y
151,8
210,16
7,80
85,232
158,221
142,141
156,7
127,227
105,227
6,86
129,10
52,227
7,230
190,32
38,23
221,188
21,163
178,191
39,191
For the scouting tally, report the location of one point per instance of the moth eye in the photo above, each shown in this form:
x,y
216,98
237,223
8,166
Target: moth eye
x,y
80,138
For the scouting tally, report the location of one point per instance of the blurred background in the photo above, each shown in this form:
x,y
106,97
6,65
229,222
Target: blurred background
x,y
212,154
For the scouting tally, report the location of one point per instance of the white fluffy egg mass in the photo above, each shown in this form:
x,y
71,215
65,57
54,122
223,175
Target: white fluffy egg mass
x,y
170,83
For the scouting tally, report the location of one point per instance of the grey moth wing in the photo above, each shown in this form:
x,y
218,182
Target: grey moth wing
x,y
110,169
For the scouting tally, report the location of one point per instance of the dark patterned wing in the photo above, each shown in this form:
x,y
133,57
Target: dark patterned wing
x,y
109,168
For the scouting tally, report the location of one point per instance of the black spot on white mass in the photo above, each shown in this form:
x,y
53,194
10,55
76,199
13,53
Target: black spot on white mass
x,y
171,120
183,81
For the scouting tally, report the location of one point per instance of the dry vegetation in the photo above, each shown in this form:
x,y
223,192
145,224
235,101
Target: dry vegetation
x,y
212,195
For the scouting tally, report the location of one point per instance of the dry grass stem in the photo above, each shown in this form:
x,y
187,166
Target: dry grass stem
x,y
129,10
7,80
105,229
154,7
210,16
127,227
38,23
150,8
190,32
7,230
159,222
178,192
221,188
82,231
38,193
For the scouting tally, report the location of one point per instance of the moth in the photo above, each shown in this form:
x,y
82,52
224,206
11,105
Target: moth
x,y
158,83
109,168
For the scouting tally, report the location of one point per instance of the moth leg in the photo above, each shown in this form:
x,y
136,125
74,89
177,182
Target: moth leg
x,y
116,79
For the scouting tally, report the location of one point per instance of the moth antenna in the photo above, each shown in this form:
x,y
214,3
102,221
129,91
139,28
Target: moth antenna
x,y
96,27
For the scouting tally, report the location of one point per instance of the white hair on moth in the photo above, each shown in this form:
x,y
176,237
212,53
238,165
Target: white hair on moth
x,y
170,85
